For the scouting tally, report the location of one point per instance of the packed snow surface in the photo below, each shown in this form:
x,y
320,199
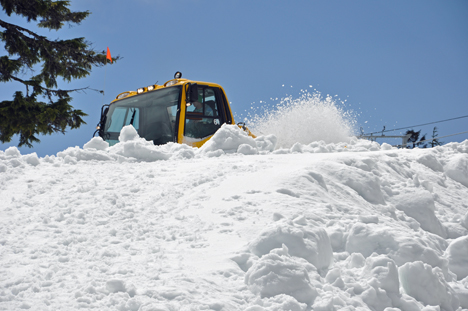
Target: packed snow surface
x,y
239,224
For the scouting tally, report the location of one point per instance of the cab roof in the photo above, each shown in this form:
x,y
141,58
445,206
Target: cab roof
x,y
174,82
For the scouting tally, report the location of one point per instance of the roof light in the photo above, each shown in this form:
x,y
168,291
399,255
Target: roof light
x,y
122,95
178,75
172,82
140,90
150,87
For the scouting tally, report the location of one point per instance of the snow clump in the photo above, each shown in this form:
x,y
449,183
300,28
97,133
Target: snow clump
x,y
311,244
457,168
457,255
279,273
424,283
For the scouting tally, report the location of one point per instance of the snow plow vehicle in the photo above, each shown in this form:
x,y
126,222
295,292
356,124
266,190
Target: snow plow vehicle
x,y
180,111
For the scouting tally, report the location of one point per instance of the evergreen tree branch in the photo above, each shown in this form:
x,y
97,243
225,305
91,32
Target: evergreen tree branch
x,y
66,59
53,13
28,117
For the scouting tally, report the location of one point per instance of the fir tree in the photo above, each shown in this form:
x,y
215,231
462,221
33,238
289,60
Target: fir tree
x,y
435,141
27,115
415,140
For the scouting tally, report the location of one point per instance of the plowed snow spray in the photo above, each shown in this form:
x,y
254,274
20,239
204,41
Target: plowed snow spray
x,y
306,119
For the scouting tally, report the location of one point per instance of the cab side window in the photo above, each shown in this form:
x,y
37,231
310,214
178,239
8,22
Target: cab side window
x,y
202,118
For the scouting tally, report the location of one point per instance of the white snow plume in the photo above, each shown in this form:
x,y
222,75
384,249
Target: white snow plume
x,y
236,225
304,120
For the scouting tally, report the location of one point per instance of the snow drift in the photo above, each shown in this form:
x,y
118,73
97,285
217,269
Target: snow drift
x,y
238,224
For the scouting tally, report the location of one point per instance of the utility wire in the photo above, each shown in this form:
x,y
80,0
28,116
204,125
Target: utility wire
x,y
402,128
442,137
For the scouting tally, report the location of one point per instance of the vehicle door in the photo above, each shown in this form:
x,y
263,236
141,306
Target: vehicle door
x,y
204,116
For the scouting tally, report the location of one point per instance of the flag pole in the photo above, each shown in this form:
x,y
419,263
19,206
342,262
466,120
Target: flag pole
x,y
104,89
108,57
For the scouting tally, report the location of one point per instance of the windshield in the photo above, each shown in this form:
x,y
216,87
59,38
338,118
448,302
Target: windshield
x,y
152,114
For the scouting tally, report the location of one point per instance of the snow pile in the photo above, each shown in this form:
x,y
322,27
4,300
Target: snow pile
x,y
427,285
457,168
235,225
457,259
312,244
229,139
279,273
421,206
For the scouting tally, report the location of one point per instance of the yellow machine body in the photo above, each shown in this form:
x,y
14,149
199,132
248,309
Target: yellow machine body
x,y
180,110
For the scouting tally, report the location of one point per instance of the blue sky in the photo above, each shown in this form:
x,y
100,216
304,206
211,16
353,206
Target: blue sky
x,y
397,63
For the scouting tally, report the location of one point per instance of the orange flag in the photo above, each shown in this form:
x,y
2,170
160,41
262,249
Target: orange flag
x,y
109,55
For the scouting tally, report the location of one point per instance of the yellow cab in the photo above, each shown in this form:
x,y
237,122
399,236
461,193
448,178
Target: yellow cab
x,y
180,111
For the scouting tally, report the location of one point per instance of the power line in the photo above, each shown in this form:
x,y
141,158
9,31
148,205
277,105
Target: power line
x,y
402,128
437,138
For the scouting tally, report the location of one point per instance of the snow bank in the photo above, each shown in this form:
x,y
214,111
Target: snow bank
x,y
129,149
368,239
12,157
229,139
238,226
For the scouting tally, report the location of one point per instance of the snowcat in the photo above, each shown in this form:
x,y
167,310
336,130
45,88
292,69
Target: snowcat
x,y
180,111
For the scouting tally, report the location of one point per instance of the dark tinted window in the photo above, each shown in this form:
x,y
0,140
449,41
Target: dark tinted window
x,y
152,114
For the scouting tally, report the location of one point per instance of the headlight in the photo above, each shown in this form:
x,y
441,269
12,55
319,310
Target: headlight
x,y
140,90
150,88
